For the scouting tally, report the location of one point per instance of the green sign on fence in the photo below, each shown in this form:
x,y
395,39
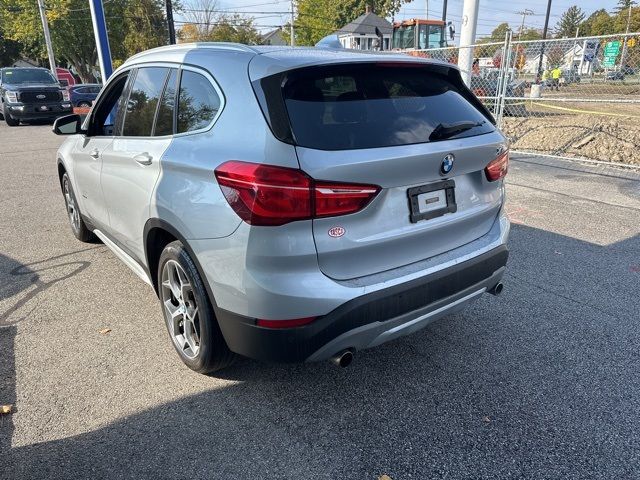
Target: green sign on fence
x,y
611,51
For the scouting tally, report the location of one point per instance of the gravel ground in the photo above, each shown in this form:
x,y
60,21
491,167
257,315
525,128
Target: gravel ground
x,y
604,138
541,382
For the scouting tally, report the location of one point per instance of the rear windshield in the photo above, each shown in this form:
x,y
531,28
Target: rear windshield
x,y
375,105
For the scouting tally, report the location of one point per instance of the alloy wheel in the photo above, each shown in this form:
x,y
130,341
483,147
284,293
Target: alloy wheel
x,y
72,210
181,310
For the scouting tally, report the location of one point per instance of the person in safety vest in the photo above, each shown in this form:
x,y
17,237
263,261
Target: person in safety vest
x,y
556,73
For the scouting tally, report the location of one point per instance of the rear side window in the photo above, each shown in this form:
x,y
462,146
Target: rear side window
x,y
198,102
143,101
376,105
166,109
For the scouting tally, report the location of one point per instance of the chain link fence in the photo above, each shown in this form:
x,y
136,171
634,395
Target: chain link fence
x,y
575,97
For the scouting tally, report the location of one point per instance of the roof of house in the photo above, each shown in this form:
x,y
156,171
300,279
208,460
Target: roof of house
x,y
269,35
366,24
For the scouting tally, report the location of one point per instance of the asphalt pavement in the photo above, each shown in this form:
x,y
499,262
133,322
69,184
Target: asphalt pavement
x,y
541,382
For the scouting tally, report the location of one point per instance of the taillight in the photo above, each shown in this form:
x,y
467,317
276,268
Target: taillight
x,y
497,168
270,195
294,322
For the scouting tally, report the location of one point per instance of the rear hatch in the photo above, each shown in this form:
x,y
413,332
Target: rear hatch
x,y
412,129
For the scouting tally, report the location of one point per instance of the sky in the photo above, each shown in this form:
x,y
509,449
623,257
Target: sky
x,y
268,13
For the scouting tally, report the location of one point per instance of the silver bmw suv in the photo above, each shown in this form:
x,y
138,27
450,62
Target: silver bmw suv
x,y
290,204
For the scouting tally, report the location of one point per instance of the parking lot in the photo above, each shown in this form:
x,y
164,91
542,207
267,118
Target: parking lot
x,y
541,382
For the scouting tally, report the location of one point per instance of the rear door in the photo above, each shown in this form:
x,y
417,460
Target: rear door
x,y
131,164
408,131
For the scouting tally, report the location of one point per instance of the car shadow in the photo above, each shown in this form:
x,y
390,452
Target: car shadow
x,y
541,382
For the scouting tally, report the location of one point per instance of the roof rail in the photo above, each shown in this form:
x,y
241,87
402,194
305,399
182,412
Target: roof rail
x,y
238,47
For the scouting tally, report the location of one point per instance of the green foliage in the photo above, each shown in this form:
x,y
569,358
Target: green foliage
x,y
133,25
235,28
623,6
598,23
222,28
319,18
530,34
9,51
569,22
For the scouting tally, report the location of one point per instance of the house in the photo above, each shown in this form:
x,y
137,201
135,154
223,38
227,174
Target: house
x,y
274,37
25,62
360,34
567,57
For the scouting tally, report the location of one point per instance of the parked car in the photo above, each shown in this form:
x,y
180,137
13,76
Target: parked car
x,y
291,204
487,82
28,94
628,70
83,95
569,76
65,77
614,75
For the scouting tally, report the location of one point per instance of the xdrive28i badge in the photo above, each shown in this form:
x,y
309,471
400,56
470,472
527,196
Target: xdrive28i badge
x,y
447,164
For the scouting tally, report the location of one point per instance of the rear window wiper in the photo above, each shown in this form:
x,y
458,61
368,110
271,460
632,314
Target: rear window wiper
x,y
447,130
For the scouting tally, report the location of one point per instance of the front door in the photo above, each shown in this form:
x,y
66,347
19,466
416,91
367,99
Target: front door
x,y
87,166
131,165
91,148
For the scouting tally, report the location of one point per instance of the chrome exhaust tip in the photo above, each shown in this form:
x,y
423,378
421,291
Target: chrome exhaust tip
x,y
342,359
496,289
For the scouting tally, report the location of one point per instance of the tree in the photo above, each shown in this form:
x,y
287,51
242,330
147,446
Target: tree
x,y
623,6
319,18
9,50
145,25
569,22
132,25
620,20
598,23
497,36
201,17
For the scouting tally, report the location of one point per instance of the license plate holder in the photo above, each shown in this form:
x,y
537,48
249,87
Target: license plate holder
x,y
423,206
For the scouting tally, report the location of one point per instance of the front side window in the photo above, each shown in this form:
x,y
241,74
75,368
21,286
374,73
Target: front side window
x,y
198,102
109,105
143,101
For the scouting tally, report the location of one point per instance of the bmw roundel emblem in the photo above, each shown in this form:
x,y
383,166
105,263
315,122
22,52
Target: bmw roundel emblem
x,y
447,164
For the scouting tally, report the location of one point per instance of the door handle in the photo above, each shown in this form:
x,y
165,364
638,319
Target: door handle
x,y
143,158
95,153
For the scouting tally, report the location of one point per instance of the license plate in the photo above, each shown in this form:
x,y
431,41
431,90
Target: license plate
x,y
44,108
431,201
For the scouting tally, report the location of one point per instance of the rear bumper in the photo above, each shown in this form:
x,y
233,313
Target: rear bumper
x,y
370,319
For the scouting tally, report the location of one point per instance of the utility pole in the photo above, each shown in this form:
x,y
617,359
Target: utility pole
x,y
170,25
468,37
426,9
524,14
544,36
626,38
47,39
293,37
444,12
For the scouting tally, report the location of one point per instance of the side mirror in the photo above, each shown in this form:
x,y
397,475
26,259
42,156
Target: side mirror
x,y
68,125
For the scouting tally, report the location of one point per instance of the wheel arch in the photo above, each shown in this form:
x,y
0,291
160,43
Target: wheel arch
x,y
158,234
62,169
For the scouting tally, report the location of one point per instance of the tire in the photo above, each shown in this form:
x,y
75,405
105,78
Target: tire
x,y
84,104
78,227
12,122
188,314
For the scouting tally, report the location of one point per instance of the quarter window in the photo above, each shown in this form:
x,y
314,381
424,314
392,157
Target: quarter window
x,y
198,102
143,101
